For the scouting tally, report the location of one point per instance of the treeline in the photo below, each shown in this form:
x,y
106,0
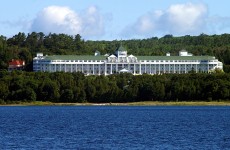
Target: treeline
x,y
25,47
75,87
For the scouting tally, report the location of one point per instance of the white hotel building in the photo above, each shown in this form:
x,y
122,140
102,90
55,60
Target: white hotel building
x,y
121,62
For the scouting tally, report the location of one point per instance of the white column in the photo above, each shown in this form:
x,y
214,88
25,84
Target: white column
x,y
196,68
185,67
105,70
87,68
134,69
93,69
169,68
71,69
179,68
111,69
174,69
159,71
150,68
191,67
65,67
140,69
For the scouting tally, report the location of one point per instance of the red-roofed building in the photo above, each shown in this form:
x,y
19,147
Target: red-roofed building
x,y
16,64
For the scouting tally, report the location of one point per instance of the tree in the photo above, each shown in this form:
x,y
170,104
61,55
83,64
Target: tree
x,y
67,96
4,90
79,95
28,94
17,40
90,90
32,41
48,91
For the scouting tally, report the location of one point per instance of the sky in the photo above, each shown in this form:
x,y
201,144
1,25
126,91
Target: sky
x,y
115,19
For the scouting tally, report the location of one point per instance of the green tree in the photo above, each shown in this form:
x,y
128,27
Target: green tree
x,y
4,90
48,91
67,96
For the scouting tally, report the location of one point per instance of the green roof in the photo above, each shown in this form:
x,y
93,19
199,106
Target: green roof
x,y
175,57
101,57
121,48
75,57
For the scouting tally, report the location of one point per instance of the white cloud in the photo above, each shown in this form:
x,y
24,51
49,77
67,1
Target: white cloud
x,y
186,18
57,19
178,19
93,22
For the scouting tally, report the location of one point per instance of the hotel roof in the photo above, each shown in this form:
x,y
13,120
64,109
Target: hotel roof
x,y
75,57
121,48
101,57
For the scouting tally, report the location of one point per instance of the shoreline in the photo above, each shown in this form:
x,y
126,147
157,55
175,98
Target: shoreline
x,y
142,103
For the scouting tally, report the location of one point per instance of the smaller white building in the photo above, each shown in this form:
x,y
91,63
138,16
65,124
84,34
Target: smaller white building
x,y
184,53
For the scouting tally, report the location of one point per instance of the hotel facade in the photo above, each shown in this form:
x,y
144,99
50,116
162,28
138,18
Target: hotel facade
x,y
120,62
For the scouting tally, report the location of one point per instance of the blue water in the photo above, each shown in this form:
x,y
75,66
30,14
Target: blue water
x,y
114,127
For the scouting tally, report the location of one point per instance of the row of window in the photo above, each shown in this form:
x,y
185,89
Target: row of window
x,y
126,65
132,71
131,68
77,60
125,60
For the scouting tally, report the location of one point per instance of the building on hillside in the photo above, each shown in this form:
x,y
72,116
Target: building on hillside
x,y
16,64
122,62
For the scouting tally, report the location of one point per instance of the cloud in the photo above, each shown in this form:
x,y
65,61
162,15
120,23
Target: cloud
x,y
178,19
57,19
93,22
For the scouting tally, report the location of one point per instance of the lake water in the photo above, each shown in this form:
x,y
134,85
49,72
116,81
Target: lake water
x,y
114,127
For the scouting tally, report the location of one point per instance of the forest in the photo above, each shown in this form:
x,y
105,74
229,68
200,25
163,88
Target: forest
x,y
60,87
75,87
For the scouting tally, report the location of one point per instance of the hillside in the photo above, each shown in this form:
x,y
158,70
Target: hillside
x,y
22,46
